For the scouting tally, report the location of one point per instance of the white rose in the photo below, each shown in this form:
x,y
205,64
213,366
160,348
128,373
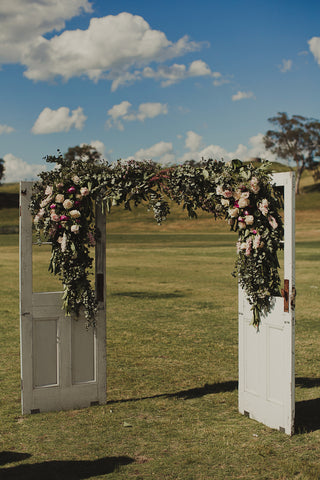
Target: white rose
x,y
225,202
75,228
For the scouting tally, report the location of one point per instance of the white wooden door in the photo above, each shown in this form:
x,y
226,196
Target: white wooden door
x,y
63,365
266,355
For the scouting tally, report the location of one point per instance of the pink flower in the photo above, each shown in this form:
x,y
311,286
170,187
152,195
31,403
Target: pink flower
x,y
63,218
84,191
256,242
53,206
248,247
227,194
273,222
71,190
254,185
91,239
55,217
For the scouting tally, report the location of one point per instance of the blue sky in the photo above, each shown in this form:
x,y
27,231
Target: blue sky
x,y
170,80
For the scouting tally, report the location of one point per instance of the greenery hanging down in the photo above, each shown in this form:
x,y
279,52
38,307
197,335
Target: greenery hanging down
x,y
63,209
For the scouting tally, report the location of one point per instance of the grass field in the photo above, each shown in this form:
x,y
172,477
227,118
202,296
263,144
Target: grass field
x,y
172,364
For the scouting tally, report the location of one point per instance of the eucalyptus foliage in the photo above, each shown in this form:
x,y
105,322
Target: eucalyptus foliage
x,y
63,200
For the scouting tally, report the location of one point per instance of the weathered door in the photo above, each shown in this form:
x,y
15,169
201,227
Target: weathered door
x,y
63,365
266,355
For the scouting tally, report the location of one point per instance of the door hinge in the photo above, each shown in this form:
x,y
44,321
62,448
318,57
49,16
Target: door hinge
x,y
285,295
293,298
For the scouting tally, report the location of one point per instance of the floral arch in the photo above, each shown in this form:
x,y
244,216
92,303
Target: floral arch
x,y
242,193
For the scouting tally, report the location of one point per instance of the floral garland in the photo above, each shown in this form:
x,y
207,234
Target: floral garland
x,y
62,206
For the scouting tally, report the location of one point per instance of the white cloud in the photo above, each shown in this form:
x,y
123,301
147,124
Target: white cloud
x,y
110,47
161,152
99,146
254,149
6,129
121,112
285,66
193,141
17,169
151,110
220,79
168,75
242,96
61,120
314,46
22,23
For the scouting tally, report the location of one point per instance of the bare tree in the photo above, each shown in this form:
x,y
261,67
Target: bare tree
x,y
297,139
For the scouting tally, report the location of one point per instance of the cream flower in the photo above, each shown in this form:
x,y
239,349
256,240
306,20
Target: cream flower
x,y
59,198
249,219
225,202
233,212
245,194
75,228
243,202
76,179
68,204
75,214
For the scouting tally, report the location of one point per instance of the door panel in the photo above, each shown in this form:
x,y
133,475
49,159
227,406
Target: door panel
x,y
63,364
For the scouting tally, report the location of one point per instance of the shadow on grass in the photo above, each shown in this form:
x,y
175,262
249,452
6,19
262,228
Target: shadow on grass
x,y
307,382
307,418
11,457
64,470
151,295
188,394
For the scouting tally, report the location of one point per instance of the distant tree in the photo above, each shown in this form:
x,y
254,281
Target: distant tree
x,y
86,152
296,138
1,169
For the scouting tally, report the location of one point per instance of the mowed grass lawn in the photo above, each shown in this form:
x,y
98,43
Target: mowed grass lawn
x,y
172,365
